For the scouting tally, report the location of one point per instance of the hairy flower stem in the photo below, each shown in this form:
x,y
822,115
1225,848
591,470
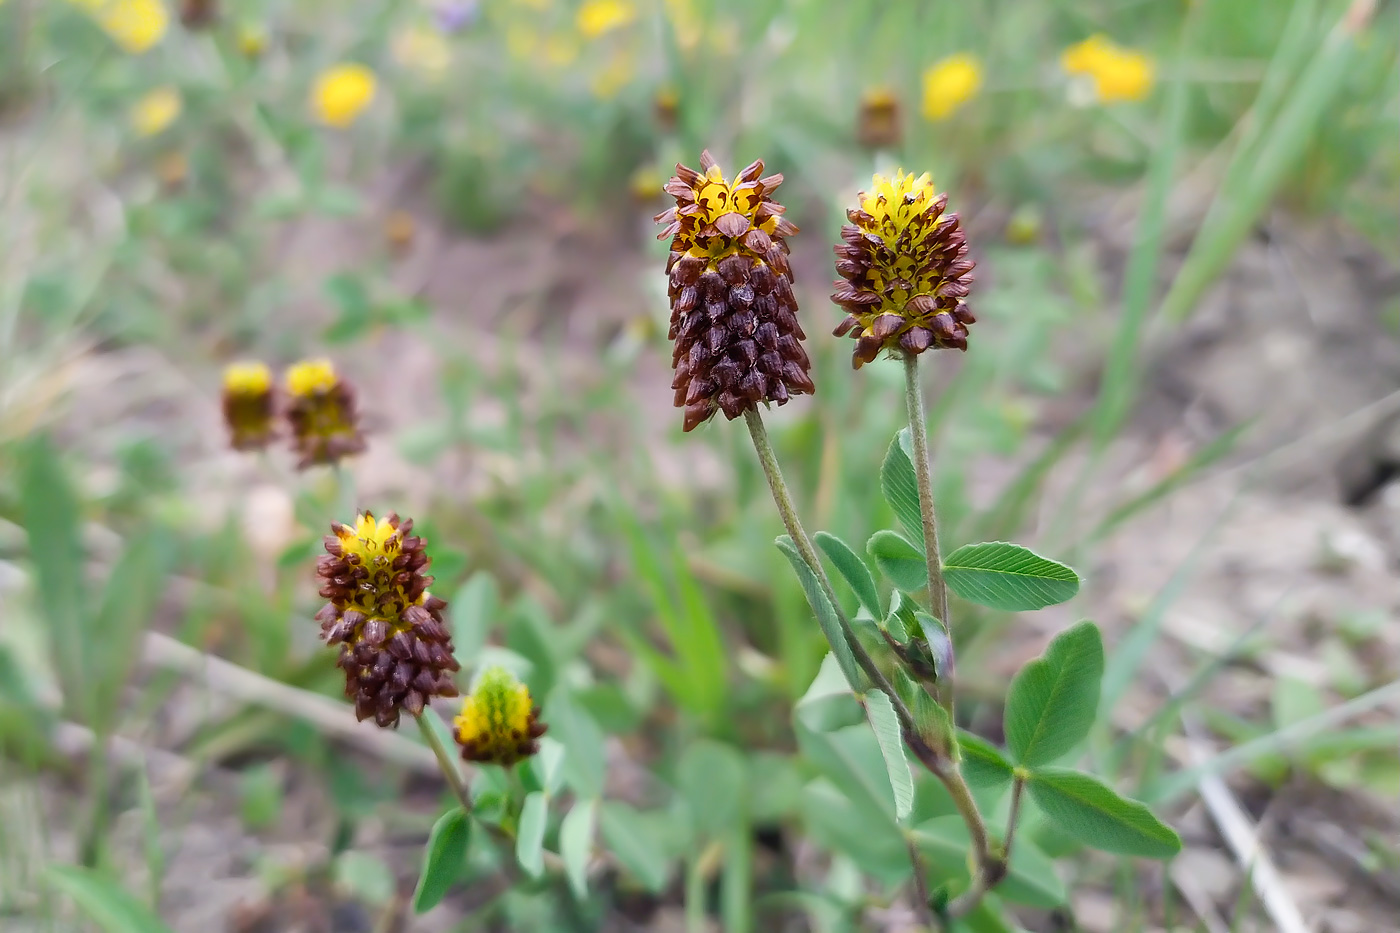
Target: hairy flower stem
x,y
445,761
783,499
991,867
918,430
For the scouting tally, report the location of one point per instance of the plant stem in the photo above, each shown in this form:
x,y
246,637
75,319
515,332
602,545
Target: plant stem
x,y
991,868
783,499
936,760
445,761
923,909
918,430
1016,790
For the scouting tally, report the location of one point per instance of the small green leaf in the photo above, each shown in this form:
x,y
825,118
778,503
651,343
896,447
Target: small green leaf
x,y
829,704
1030,879
711,779
1091,812
547,765
983,764
53,519
105,902
473,613
364,876
443,858
825,612
886,725
584,764
853,570
529,840
1008,577
900,484
633,839
576,844
899,560
1053,699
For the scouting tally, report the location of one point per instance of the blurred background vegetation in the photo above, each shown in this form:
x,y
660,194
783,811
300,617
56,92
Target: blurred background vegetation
x,y
1183,380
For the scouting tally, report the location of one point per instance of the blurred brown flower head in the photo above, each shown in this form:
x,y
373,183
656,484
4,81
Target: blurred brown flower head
x,y
249,406
394,645
904,271
733,312
198,14
877,121
325,425
499,723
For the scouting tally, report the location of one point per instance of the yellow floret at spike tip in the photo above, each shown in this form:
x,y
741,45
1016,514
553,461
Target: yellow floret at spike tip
x,y
247,378
310,377
371,538
895,202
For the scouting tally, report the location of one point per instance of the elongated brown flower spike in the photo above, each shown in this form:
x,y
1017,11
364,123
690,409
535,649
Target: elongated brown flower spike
x,y
325,424
499,723
248,406
733,312
394,645
904,271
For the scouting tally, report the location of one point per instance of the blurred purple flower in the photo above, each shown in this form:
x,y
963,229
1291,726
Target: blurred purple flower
x,y
456,15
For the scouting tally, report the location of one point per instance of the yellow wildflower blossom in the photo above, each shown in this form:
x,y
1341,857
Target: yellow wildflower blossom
x,y
1113,72
424,51
135,25
342,93
560,51
950,83
598,17
155,111
252,40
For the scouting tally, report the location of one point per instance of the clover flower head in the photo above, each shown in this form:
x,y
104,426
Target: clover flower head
x,y
904,271
733,311
395,649
248,405
322,413
499,722
877,121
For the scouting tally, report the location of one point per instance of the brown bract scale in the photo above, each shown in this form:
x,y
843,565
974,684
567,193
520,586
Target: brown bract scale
x,y
905,275
733,311
395,648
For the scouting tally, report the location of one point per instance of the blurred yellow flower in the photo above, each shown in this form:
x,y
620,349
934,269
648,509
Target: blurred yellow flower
x,y
1115,73
521,42
597,17
342,93
685,23
155,111
560,51
612,78
252,39
423,50
646,181
135,25
950,83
